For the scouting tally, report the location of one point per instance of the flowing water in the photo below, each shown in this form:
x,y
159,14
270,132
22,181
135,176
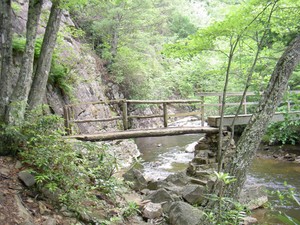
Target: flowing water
x,y
165,155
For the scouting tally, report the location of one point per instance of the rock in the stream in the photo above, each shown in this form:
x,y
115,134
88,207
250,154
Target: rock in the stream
x,y
290,157
249,220
191,147
26,178
152,210
193,194
183,213
179,179
159,196
297,160
138,181
254,196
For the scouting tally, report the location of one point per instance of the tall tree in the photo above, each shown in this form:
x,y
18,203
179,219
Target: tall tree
x,y
38,89
6,54
16,109
252,135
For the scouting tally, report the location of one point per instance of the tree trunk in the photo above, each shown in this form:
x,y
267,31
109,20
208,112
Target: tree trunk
x,y
16,110
252,135
38,88
6,54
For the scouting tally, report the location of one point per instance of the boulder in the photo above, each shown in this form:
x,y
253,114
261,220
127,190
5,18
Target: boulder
x,y
136,178
152,210
160,196
248,220
22,212
26,178
254,196
183,213
50,221
178,179
297,160
191,147
193,194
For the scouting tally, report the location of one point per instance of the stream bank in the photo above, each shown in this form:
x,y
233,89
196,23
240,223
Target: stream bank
x,y
166,155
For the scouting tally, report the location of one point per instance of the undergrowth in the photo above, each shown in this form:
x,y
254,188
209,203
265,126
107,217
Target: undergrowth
x,y
75,172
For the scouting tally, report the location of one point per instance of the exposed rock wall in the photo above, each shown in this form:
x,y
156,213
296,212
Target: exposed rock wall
x,y
86,70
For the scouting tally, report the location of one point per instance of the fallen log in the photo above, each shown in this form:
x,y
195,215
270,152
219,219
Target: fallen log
x,y
170,131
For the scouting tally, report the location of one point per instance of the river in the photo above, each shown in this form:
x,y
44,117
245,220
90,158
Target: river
x,y
165,155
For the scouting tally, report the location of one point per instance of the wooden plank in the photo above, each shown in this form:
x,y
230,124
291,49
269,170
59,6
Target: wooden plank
x,y
162,101
170,131
125,115
214,121
66,120
145,116
197,113
227,94
96,120
202,111
98,102
165,111
250,93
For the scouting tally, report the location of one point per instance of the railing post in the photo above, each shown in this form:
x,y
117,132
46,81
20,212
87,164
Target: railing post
x,y
245,105
202,111
165,112
220,105
67,121
125,115
288,102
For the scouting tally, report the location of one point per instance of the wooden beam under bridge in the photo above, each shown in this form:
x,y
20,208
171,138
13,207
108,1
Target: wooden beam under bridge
x,y
170,131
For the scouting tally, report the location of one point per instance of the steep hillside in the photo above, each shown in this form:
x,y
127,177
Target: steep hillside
x,y
84,72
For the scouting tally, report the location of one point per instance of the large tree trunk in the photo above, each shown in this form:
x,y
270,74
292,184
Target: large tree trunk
x,y
40,79
18,102
252,135
6,54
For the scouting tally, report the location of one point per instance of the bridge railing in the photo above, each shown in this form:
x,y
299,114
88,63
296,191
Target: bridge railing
x,y
199,108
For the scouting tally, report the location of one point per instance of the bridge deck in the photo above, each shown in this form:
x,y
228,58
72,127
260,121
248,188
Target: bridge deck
x,y
214,121
169,131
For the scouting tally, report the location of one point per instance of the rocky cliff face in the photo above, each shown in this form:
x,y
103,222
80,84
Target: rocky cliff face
x,y
86,72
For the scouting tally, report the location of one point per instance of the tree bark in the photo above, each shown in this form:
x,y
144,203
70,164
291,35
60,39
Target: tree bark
x,y
252,135
16,110
38,88
6,54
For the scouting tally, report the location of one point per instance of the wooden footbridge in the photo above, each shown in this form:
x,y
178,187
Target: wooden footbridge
x,y
206,108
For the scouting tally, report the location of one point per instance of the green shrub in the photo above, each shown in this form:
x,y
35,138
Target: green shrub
x,y
59,77
74,170
19,43
285,132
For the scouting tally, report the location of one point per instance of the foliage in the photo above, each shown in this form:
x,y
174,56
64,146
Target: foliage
x,y
225,211
76,171
246,23
16,7
129,35
286,198
59,75
288,220
131,210
287,131
19,43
